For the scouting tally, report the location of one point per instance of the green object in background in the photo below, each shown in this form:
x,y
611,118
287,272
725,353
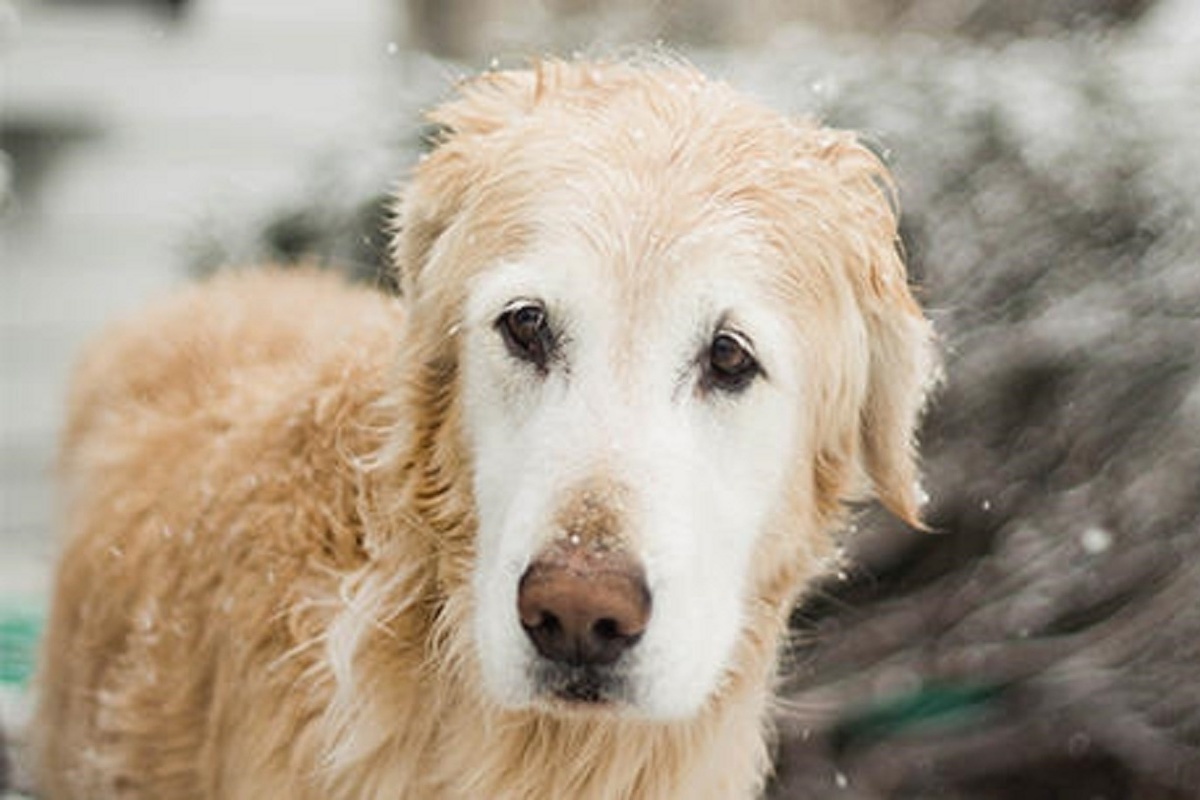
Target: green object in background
x,y
933,704
20,630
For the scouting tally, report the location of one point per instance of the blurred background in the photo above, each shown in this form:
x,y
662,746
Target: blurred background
x,y
1045,642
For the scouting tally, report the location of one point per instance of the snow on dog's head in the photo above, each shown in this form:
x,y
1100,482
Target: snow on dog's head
x,y
666,334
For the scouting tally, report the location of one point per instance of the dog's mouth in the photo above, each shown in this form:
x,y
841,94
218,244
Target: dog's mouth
x,y
580,687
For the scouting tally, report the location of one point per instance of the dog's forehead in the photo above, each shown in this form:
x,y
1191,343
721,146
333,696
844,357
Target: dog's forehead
x,y
625,273
660,206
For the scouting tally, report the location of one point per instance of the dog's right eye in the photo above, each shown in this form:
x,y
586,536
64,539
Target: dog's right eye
x,y
526,332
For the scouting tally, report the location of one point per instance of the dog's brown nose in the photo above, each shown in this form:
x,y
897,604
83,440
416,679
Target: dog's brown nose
x,y
582,606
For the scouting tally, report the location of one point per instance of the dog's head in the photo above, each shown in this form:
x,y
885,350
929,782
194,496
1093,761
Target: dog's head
x,y
666,335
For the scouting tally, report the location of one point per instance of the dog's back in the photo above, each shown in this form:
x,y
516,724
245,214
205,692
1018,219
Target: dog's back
x,y
217,425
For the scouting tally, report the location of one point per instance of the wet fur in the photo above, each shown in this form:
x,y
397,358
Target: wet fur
x,y
266,590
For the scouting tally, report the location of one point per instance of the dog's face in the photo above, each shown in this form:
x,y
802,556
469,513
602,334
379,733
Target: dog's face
x,y
649,429
682,338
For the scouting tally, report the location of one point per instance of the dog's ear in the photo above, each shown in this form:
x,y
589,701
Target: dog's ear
x,y
468,146
901,372
902,365
442,183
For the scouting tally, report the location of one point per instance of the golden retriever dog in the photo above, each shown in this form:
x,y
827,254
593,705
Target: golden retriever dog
x,y
532,530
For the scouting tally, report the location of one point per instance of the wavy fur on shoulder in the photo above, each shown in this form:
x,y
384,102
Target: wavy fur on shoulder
x,y
267,587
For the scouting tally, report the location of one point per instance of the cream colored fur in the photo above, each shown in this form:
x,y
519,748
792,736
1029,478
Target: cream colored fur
x,y
267,588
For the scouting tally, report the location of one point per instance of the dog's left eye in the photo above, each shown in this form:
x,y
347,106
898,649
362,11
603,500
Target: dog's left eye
x,y
731,364
526,332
